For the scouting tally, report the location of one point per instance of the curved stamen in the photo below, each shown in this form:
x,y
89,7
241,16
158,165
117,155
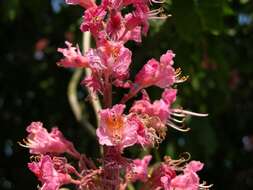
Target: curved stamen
x,y
180,111
186,156
158,17
182,79
155,11
178,72
177,120
204,186
159,10
23,145
177,163
172,125
29,141
157,14
34,158
26,143
158,1
177,114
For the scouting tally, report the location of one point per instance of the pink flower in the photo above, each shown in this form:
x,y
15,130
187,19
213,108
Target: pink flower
x,y
114,24
150,130
39,141
50,178
134,34
139,17
116,28
145,137
108,62
110,59
167,58
152,118
115,128
132,21
93,20
122,84
159,108
189,180
169,96
132,29
159,74
84,3
96,60
139,169
194,166
117,59
93,83
120,71
72,57
113,4
161,177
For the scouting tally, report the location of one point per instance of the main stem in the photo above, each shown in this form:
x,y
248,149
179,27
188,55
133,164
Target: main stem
x,y
111,174
108,96
111,170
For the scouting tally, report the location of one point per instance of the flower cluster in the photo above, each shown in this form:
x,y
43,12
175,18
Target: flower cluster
x,y
112,24
49,164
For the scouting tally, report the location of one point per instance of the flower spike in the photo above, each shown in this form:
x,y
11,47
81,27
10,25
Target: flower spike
x,y
144,124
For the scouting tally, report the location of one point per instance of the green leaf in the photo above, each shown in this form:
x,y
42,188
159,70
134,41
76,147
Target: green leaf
x,y
211,14
10,9
203,136
187,20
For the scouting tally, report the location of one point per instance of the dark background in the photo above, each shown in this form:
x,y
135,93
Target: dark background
x,y
212,40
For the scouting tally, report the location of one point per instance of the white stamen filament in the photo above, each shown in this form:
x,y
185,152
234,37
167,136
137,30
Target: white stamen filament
x,y
156,11
186,112
27,143
178,121
177,128
158,1
23,145
159,17
204,186
178,114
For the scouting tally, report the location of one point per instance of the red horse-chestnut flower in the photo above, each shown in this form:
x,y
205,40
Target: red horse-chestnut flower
x,y
122,124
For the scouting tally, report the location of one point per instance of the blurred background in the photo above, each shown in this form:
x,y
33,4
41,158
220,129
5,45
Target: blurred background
x,y
212,40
